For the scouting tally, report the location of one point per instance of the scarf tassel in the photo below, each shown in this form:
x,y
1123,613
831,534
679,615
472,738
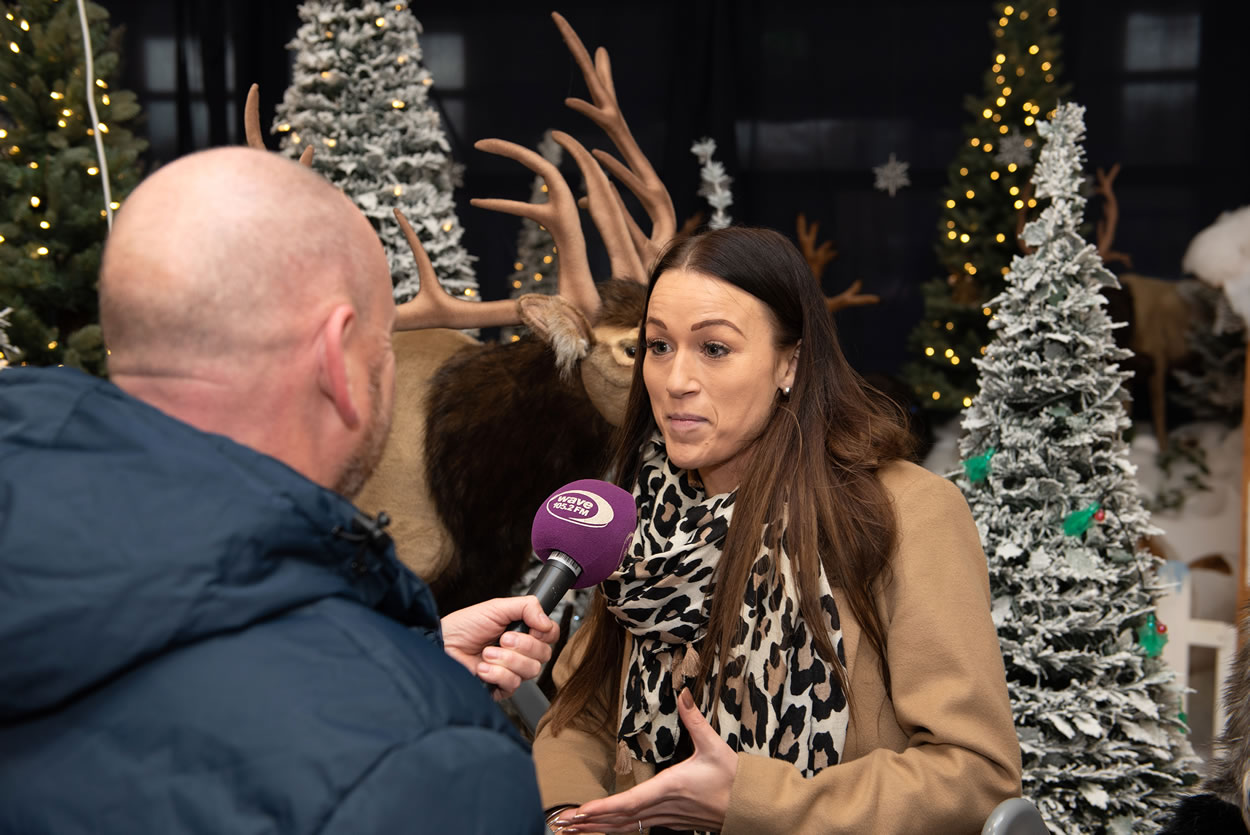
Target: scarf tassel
x,y
689,666
622,758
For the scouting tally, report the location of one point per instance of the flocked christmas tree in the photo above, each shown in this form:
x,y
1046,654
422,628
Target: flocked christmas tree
x,y
1047,474
52,205
985,202
360,96
534,270
8,352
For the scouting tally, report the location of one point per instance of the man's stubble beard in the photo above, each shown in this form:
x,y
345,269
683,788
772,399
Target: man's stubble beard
x,y
364,459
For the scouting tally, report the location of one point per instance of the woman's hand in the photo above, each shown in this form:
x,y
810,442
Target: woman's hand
x,y
694,794
468,636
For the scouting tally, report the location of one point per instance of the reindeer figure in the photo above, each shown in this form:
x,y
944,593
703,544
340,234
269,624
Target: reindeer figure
x,y
818,257
482,433
1159,316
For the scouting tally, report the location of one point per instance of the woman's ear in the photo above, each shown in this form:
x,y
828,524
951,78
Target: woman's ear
x,y
332,370
785,379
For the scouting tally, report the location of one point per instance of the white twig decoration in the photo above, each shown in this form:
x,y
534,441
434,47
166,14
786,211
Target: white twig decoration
x,y
715,187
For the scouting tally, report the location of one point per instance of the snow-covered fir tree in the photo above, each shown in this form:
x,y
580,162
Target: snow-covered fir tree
x,y
534,270
360,97
1047,474
8,353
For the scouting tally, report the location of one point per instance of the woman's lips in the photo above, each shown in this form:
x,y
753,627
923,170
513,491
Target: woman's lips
x,y
684,422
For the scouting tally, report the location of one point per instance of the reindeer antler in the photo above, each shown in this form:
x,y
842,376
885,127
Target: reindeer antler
x,y
1110,217
432,307
850,297
818,257
251,126
621,236
558,214
639,177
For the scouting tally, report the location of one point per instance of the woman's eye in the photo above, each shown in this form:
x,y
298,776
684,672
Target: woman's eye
x,y
657,346
715,349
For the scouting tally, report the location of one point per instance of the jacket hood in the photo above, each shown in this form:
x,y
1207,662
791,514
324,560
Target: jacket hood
x,y
125,533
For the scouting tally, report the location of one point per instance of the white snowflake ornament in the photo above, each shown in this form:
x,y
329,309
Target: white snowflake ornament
x,y
891,175
1016,148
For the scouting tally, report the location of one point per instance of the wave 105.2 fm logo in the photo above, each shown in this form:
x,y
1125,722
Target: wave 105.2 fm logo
x,y
581,507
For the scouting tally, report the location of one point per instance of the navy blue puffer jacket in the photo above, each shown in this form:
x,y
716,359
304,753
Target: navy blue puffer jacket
x,y
187,645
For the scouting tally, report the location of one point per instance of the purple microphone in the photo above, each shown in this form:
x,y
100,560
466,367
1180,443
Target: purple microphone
x,y
581,533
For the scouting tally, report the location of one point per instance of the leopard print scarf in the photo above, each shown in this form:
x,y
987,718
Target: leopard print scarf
x,y
780,698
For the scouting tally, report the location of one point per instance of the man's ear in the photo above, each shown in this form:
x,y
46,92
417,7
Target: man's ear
x,y
787,377
332,370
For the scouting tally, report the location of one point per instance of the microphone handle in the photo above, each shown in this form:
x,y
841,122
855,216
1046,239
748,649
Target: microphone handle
x,y
556,577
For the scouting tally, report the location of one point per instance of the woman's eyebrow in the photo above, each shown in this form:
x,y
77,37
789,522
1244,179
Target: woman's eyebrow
x,y
707,323
651,320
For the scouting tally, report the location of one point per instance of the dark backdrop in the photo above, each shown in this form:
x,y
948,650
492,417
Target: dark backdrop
x,y
803,98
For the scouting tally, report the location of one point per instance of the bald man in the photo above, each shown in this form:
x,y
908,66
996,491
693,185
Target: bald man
x,y
198,631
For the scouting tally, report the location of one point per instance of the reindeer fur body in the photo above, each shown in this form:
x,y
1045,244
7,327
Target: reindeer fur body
x,y
505,429
1224,807
397,485
1227,773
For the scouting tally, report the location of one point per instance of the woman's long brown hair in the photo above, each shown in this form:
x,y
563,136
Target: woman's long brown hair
x,y
816,459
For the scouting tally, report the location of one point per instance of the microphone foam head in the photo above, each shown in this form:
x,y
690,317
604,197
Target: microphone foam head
x,y
591,521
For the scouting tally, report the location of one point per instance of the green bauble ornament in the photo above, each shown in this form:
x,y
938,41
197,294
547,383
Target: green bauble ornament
x,y
1152,636
1077,522
978,469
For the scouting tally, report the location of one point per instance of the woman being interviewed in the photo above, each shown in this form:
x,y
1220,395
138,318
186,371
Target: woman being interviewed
x,y
823,604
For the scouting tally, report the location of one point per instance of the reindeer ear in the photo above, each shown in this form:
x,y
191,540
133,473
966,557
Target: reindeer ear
x,y
559,324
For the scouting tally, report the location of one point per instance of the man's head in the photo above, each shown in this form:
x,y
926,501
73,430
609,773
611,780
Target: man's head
x,y
243,294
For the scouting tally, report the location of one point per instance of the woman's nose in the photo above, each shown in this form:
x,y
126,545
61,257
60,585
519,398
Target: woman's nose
x,y
682,377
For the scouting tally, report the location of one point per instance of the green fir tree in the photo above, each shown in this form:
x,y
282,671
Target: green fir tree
x,y
985,202
52,208
1048,478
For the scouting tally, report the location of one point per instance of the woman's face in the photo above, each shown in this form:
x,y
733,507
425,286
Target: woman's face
x,y
712,370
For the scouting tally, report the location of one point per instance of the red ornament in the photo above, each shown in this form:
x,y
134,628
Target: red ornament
x,y
1100,515
1162,627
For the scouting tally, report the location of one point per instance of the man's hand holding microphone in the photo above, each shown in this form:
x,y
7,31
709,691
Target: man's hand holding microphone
x,y
581,533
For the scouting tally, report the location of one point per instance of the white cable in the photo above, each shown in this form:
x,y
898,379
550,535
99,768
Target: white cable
x,y
95,118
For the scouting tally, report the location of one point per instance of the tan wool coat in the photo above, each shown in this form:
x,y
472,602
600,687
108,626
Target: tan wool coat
x,y
936,758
